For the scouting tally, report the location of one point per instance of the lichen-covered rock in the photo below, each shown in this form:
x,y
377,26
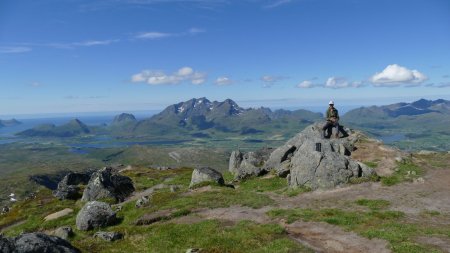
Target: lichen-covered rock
x,y
39,242
106,183
206,174
315,162
95,214
249,164
68,186
108,236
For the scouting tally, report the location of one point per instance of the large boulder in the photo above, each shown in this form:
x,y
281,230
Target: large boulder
x,y
95,214
206,174
39,242
68,186
6,245
107,183
249,164
316,162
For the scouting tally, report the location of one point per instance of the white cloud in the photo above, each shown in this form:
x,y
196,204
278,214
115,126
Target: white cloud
x,y
14,50
223,80
270,80
156,77
396,75
153,35
161,35
306,84
71,45
341,82
332,82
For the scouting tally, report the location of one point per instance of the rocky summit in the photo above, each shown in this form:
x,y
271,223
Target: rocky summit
x,y
312,161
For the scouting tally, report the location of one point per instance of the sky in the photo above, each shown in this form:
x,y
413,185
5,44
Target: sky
x,y
64,56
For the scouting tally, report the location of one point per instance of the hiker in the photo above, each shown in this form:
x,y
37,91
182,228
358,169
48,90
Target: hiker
x,y
332,116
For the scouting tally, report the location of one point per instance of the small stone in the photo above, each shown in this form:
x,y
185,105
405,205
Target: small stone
x,y
193,250
174,188
108,236
63,232
5,209
143,201
419,180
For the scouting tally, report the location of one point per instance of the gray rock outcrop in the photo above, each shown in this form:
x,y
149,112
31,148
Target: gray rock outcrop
x,y
36,242
312,161
107,183
249,164
95,214
68,186
206,174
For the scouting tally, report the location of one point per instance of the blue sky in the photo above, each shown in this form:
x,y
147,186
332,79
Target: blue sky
x,y
60,56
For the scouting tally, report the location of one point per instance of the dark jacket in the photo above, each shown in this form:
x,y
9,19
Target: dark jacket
x,y
332,113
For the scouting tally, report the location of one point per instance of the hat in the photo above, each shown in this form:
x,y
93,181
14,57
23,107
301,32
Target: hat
x,y
331,102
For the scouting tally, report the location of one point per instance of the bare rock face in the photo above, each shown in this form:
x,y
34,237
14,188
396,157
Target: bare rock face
x,y
206,174
107,183
249,164
95,214
315,162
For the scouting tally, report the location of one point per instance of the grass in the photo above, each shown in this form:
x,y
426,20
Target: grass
x,y
404,172
210,236
371,164
263,184
376,223
373,204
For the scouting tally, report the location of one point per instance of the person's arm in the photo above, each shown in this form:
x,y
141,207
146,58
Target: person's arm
x,y
337,114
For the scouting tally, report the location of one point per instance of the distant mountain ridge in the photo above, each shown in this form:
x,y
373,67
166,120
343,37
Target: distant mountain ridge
x,y
72,128
9,122
419,124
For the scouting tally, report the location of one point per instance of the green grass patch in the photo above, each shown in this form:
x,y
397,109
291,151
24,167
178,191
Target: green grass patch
x,y
373,204
261,184
210,236
404,172
371,164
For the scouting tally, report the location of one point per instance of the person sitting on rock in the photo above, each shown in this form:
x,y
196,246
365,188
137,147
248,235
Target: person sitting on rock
x,y
332,116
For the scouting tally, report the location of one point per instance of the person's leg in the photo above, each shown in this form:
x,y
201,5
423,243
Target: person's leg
x,y
337,129
327,129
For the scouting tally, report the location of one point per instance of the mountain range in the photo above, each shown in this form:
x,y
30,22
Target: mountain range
x,y
420,124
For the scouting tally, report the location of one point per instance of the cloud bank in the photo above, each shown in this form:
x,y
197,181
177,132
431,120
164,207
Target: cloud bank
x,y
157,77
